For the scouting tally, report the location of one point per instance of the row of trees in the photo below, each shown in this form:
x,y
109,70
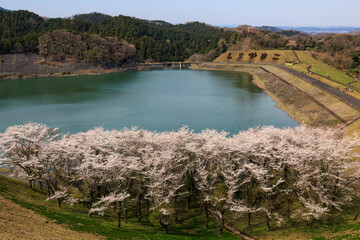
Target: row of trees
x,y
278,174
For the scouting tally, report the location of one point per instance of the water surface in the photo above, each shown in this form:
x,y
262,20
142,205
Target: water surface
x,y
161,100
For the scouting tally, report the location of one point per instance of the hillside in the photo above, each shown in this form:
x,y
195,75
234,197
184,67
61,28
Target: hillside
x,y
32,203
22,203
25,224
260,56
154,40
93,18
3,9
317,66
160,41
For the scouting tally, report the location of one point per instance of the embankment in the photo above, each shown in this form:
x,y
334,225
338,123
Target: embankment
x,y
305,103
33,65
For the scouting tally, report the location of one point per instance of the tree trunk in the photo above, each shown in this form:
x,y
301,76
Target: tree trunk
x,y
119,215
249,218
147,206
30,183
188,202
215,215
125,215
268,223
59,202
165,226
206,216
175,211
288,208
139,210
222,222
356,217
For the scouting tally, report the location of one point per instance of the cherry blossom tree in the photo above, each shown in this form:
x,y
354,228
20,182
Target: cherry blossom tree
x,y
282,174
20,146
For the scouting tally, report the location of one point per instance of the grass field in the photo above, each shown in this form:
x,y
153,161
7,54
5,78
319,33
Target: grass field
x,y
273,56
319,67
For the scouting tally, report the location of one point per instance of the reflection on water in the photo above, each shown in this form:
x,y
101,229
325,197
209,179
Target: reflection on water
x,y
154,100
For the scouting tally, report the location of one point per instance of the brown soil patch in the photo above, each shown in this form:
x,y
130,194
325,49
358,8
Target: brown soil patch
x,y
20,223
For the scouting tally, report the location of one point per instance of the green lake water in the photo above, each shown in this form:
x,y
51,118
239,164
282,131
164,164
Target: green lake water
x,y
161,100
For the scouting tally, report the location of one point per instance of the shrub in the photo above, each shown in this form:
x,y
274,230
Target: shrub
x,y
240,56
252,55
263,56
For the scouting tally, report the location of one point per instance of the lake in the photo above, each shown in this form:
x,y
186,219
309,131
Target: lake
x,y
160,100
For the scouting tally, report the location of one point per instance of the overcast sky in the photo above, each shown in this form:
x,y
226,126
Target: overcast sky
x,y
219,12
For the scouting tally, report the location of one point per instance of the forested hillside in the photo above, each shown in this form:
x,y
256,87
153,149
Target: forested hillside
x,y
162,41
154,40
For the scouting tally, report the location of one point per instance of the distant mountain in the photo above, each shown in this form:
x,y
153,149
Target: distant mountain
x,y
290,33
160,23
319,29
6,10
270,28
93,18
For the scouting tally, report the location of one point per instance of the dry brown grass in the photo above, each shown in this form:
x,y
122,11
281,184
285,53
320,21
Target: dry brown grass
x,y
20,223
284,55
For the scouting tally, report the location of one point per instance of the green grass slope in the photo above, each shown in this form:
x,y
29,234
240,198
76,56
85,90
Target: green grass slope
x,y
319,67
190,225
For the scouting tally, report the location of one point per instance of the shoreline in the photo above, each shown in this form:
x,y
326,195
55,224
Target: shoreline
x,y
257,82
85,73
296,103
32,65
289,100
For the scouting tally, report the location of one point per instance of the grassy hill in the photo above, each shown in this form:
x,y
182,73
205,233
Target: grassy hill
x,y
319,67
25,224
26,213
307,64
76,218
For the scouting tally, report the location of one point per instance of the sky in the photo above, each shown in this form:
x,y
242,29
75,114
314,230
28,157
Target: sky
x,y
219,12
